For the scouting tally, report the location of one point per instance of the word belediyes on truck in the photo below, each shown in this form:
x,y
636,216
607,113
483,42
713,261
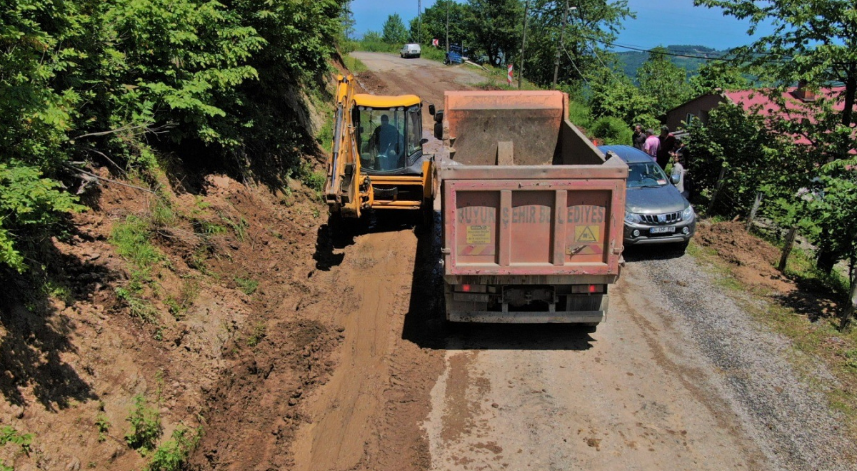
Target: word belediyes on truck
x,y
532,211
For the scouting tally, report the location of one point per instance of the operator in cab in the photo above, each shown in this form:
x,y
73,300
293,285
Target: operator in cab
x,y
388,144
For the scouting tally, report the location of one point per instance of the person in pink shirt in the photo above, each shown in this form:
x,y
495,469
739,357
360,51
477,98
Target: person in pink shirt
x,y
652,144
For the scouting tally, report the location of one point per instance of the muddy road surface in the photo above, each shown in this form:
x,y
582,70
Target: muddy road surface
x,y
678,377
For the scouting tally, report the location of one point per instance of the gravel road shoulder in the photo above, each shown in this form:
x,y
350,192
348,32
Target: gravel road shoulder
x,y
790,420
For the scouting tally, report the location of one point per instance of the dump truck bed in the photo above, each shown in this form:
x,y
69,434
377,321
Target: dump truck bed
x,y
531,210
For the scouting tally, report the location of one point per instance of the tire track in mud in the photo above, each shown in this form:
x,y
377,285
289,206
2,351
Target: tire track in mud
x,y
366,416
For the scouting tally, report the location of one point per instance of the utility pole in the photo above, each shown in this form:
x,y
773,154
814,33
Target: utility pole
x,y
561,45
523,42
447,27
419,21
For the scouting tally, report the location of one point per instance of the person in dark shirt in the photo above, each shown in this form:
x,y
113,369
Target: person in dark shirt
x,y
639,137
666,147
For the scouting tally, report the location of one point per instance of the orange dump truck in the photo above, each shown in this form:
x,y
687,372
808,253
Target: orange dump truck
x,y
532,211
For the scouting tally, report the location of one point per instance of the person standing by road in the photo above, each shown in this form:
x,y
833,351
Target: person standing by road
x,y
666,147
651,144
639,137
678,174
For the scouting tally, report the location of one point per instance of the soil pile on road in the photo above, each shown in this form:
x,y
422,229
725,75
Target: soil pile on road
x,y
753,262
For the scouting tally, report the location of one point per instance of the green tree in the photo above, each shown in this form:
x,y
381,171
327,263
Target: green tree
x,y
393,31
663,81
754,158
815,42
120,81
612,93
812,41
590,25
496,27
715,75
346,17
434,23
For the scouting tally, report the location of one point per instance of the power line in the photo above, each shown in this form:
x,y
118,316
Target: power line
x,y
575,66
675,54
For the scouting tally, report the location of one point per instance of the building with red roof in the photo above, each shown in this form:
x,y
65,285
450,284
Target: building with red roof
x,y
795,99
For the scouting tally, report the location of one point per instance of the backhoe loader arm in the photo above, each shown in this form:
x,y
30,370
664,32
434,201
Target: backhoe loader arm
x,y
341,189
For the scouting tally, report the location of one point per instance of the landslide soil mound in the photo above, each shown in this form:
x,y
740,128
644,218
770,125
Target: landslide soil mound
x,y
212,334
753,261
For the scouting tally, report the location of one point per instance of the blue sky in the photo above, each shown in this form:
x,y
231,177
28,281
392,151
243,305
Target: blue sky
x,y
659,22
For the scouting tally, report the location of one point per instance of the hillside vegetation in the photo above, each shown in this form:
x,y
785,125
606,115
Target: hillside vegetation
x,y
689,58
136,84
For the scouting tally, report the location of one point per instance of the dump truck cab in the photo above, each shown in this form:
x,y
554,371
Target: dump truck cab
x,y
377,161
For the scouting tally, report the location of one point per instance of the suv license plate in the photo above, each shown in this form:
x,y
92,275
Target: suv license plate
x,y
661,230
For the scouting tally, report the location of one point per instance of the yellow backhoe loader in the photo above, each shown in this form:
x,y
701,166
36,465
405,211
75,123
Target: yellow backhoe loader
x,y
377,162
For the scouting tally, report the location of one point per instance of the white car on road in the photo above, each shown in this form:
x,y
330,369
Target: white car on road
x,y
410,50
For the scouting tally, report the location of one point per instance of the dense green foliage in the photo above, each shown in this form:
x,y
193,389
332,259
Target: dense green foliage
x,y
663,81
754,158
121,82
611,130
393,31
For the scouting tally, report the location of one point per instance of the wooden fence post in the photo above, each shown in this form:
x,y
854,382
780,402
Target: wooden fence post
x,y
848,312
787,248
759,196
717,188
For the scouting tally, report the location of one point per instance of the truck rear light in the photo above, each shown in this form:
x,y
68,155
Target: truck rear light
x,y
588,289
469,288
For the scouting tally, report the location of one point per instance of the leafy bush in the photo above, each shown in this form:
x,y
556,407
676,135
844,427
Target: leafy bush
x,y
754,159
29,205
172,454
611,130
145,426
85,80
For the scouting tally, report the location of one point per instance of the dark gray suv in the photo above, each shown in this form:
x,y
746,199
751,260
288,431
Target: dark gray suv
x,y
655,211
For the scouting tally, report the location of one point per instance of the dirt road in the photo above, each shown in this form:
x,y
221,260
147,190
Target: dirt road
x,y
679,377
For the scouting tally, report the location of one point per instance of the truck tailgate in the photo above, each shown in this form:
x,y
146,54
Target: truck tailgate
x,y
534,220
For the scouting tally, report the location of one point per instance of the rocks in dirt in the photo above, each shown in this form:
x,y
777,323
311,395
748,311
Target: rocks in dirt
x,y
73,465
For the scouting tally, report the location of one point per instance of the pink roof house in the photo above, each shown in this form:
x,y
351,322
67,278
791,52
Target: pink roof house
x,y
756,102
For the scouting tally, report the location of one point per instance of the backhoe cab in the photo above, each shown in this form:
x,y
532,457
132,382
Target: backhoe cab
x,y
377,160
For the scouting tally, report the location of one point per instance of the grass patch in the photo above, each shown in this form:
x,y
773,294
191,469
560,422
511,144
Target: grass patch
x,y
103,426
132,240
325,135
354,65
246,285
310,178
239,227
207,228
259,332
188,293
9,434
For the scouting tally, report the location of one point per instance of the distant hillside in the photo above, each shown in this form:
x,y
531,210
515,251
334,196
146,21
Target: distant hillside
x,y
632,60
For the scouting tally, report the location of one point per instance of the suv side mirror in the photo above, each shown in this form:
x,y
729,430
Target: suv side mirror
x,y
675,178
431,109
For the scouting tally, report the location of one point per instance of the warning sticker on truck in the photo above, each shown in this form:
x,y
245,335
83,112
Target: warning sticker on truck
x,y
478,235
587,233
